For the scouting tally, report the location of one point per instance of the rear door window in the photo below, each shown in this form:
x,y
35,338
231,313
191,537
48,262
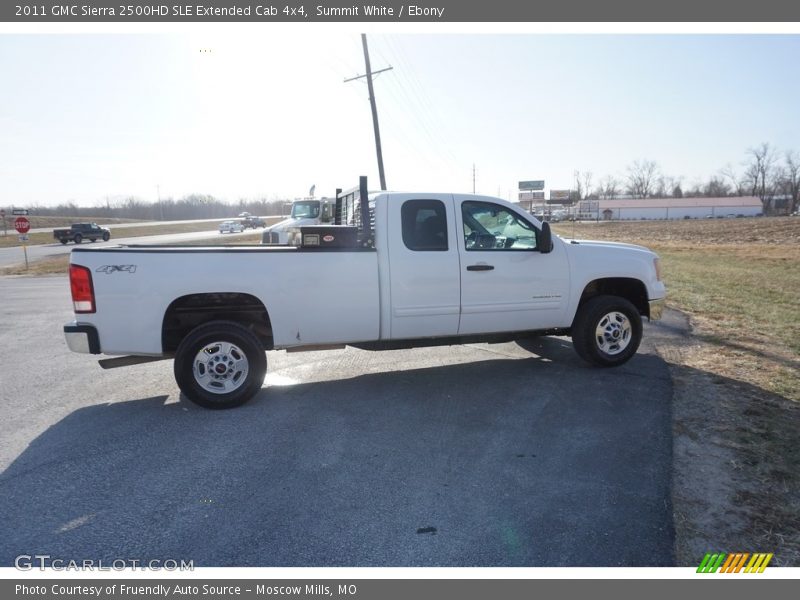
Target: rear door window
x,y
424,225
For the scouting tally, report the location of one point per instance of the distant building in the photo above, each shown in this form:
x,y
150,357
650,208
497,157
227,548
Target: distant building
x,y
669,208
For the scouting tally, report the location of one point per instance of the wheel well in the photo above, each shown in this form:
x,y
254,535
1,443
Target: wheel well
x,y
187,312
631,289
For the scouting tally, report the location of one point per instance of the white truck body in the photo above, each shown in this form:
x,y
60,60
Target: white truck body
x,y
304,214
371,295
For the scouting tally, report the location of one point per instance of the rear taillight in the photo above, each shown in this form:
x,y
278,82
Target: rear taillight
x,y
80,280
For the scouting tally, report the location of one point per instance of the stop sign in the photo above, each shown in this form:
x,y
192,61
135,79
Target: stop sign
x,y
22,225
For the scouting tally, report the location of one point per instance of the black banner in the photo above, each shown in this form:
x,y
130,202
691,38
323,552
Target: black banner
x,y
419,11
390,589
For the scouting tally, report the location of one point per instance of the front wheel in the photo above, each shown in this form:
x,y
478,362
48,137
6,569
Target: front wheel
x,y
220,364
607,331
106,236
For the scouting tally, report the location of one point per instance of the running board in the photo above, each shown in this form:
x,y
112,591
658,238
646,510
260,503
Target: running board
x,y
128,361
316,347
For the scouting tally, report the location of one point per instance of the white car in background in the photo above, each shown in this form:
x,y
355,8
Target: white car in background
x,y
231,227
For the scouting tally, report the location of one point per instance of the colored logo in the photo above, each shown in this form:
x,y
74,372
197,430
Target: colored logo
x,y
734,563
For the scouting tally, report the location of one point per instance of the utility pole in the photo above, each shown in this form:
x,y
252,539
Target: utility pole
x,y
160,206
369,76
473,178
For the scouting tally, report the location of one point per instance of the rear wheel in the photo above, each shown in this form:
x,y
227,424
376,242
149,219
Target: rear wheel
x,y
220,365
64,240
607,331
78,238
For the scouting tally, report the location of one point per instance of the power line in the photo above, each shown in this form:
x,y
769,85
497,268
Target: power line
x,y
427,114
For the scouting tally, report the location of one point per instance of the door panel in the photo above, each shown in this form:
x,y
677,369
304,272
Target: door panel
x,y
424,263
506,283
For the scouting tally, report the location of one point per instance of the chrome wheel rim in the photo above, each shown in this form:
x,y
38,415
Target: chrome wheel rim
x,y
220,367
613,333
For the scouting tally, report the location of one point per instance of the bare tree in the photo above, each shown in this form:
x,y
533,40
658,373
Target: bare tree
x,y
660,189
737,184
578,185
587,183
609,188
789,179
716,187
642,176
673,184
760,173
583,184
694,190
665,186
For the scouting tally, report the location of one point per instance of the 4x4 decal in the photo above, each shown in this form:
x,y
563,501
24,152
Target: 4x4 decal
x,y
109,269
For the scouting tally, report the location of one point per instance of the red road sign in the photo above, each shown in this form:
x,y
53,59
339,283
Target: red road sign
x,y
22,225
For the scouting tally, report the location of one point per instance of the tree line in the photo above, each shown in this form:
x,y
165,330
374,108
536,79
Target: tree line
x,y
770,175
193,206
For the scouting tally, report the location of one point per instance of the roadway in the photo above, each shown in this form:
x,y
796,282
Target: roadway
x,y
113,226
15,255
477,455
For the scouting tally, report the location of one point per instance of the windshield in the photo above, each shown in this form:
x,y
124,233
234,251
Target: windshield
x,y
305,210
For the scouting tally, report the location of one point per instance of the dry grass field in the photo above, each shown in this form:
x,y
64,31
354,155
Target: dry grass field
x,y
739,281
11,239
736,377
38,222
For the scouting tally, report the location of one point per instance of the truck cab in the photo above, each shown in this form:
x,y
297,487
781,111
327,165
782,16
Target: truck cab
x,y
304,212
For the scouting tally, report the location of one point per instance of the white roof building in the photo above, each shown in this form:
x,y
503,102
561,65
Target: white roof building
x,y
670,208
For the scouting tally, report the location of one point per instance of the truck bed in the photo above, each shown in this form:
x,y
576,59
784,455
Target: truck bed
x,y
135,285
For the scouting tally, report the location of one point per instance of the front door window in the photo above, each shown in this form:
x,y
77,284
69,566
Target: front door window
x,y
489,226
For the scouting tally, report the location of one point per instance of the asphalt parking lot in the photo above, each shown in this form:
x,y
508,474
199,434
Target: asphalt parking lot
x,y
480,455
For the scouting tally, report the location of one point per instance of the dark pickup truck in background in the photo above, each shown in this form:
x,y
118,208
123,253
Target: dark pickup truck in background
x,y
82,231
252,222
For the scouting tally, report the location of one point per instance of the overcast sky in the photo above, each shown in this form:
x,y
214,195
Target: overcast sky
x,y
252,112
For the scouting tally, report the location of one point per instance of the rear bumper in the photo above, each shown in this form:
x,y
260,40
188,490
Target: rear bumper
x,y
656,309
82,338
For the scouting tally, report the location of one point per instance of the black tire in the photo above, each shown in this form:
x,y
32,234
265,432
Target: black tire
x,y
93,240
63,240
78,238
607,350
106,236
187,371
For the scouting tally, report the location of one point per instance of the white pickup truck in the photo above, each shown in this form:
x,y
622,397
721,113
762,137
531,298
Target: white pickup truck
x,y
397,270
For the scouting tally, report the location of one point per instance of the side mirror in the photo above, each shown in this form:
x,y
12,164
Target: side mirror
x,y
545,239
